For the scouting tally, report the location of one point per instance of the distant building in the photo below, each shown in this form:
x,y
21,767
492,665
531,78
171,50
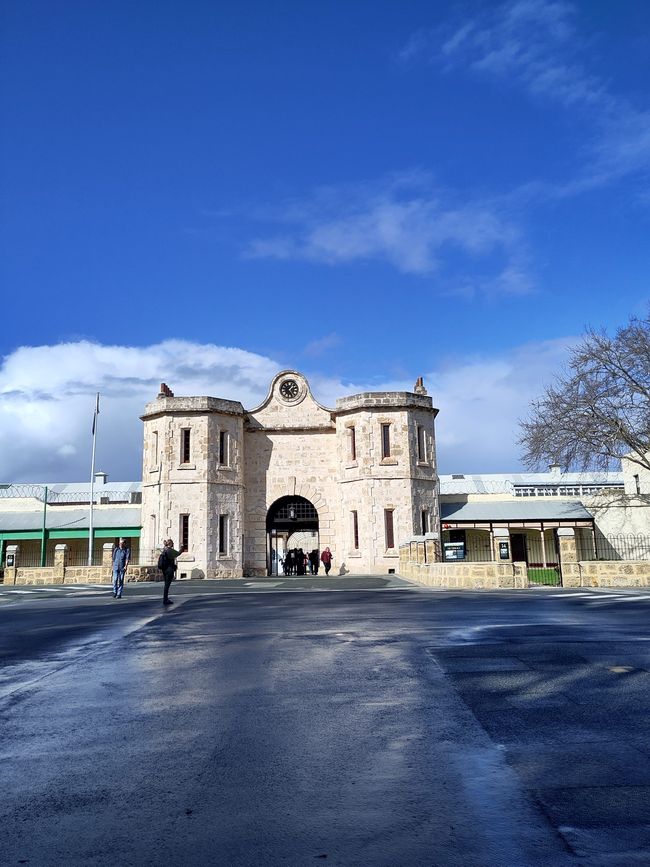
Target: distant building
x,y
607,513
37,517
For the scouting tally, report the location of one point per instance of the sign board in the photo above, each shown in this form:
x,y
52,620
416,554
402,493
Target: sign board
x,y
454,550
504,550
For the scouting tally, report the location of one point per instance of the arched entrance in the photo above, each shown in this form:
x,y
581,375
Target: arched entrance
x,y
291,523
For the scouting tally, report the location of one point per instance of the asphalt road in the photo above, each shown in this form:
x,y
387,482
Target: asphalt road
x,y
385,725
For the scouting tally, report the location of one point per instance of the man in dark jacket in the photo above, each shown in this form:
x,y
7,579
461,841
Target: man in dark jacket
x,y
167,564
121,557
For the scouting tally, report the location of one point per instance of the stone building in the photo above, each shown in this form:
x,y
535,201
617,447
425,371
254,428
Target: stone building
x,y
240,487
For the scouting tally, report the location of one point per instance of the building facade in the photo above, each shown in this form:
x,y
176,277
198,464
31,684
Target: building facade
x,y
238,488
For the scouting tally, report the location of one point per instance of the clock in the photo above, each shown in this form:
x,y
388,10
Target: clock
x,y
289,389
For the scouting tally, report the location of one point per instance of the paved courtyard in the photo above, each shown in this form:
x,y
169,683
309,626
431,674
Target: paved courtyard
x,y
350,722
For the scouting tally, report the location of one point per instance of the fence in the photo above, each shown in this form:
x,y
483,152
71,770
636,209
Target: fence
x,y
621,546
30,556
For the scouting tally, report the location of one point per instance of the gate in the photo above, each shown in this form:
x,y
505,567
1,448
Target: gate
x,y
549,575
541,560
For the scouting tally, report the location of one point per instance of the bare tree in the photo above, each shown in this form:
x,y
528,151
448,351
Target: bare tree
x,y
597,410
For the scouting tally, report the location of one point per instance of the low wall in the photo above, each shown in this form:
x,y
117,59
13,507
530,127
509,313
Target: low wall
x,y
467,576
75,575
513,576
606,573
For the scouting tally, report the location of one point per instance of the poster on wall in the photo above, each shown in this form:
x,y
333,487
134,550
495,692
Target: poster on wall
x,y
454,550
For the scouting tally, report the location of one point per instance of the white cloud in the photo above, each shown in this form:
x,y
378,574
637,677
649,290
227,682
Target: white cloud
x,y
481,400
47,398
532,42
536,45
401,220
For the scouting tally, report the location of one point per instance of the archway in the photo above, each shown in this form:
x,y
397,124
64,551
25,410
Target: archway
x,y
291,523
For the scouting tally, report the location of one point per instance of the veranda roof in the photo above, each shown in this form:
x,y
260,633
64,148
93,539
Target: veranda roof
x,y
516,511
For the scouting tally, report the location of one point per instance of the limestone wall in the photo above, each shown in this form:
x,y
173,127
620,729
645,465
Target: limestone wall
x,y
75,575
372,484
617,513
284,463
606,573
416,564
467,576
206,486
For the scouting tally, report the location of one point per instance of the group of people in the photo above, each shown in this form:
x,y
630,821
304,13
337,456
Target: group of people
x,y
166,564
297,562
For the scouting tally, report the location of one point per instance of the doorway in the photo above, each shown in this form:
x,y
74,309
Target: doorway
x,y
291,526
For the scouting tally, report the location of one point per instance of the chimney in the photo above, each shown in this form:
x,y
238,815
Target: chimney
x,y
165,390
419,388
101,478
555,469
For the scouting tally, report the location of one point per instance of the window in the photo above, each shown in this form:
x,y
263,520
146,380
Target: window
x,y
425,521
223,534
637,483
223,447
154,449
355,530
388,528
422,444
185,445
184,532
385,440
353,443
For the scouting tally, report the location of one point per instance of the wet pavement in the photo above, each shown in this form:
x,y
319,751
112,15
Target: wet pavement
x,y
375,726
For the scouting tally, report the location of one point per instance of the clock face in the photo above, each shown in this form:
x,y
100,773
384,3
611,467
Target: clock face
x,y
289,389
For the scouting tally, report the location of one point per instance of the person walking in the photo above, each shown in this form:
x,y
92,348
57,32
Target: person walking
x,y
121,557
326,559
167,565
314,560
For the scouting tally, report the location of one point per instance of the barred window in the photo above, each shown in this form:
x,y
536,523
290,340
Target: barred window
x,y
385,440
184,532
422,444
388,528
355,530
223,534
185,445
223,447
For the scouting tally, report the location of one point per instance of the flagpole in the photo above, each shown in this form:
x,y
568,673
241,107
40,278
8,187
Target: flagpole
x,y
92,485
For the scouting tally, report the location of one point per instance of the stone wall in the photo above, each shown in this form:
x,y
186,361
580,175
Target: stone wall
x,y
459,576
75,575
606,573
418,562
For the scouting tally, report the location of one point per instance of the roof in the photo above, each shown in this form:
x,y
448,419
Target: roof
x,y
504,483
71,519
516,510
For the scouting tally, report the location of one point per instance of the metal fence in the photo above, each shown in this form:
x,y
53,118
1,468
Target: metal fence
x,y
622,546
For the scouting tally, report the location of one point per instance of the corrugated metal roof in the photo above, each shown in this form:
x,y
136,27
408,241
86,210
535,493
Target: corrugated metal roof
x,y
515,510
62,518
502,483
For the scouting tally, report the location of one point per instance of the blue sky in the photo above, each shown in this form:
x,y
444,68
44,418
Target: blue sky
x,y
365,191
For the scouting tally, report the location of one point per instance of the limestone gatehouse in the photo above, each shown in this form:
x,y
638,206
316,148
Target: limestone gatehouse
x,y
238,488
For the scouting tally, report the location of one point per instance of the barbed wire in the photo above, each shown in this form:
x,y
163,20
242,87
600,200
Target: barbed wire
x,y
37,492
